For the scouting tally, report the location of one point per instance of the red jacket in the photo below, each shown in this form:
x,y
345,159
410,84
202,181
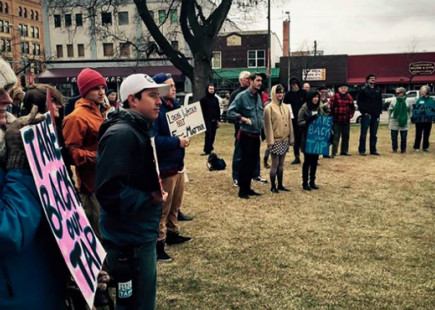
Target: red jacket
x,y
80,130
342,108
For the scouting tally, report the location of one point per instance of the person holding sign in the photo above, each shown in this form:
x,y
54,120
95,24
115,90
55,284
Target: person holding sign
x,y
399,114
307,114
129,192
278,128
80,129
32,271
423,128
170,153
342,109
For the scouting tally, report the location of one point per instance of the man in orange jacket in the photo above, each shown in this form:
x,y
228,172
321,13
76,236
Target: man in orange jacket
x,y
80,130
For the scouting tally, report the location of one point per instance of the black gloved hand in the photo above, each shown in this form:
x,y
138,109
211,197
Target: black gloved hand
x,y
311,119
17,158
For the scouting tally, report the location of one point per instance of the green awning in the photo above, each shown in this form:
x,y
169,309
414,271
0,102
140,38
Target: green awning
x,y
233,73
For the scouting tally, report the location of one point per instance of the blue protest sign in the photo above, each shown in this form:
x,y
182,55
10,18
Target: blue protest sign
x,y
423,113
318,135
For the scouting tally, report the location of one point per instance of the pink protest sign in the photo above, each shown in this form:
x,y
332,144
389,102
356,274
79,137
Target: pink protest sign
x,y
80,248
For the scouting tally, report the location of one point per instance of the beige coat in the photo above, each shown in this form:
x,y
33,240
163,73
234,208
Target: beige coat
x,y
277,121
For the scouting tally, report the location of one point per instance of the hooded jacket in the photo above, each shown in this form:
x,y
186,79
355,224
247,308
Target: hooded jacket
x,y
277,121
295,98
125,179
80,130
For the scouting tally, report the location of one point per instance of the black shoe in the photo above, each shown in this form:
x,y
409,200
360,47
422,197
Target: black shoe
x,y
362,154
274,190
176,238
328,156
296,161
162,256
251,192
306,187
375,153
259,179
314,186
266,165
345,154
403,151
183,217
282,188
243,196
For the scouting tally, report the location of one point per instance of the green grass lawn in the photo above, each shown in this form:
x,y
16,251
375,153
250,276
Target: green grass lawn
x,y
365,240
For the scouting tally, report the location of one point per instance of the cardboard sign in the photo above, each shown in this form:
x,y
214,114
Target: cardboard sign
x,y
423,113
80,248
187,120
318,135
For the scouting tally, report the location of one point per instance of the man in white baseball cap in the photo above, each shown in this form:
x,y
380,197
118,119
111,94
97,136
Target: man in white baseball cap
x,y
129,191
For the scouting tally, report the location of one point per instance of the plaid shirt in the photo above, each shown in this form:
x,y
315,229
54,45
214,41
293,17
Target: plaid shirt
x,y
342,108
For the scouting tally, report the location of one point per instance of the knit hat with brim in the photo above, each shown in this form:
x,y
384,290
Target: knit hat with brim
x,y
7,76
89,79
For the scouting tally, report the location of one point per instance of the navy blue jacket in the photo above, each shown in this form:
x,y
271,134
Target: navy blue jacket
x,y
169,153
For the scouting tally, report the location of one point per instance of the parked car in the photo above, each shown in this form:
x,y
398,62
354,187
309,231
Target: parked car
x,y
386,100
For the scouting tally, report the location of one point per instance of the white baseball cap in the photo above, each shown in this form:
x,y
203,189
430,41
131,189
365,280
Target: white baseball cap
x,y
137,82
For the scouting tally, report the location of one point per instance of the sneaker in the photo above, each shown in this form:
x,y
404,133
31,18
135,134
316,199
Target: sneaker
x,y
176,238
183,217
416,150
235,182
296,161
162,256
259,179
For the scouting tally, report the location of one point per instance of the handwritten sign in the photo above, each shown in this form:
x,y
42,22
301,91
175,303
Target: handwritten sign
x,y
318,135
187,120
423,113
80,248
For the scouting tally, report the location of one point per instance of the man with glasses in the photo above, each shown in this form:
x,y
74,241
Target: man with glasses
x,y
370,105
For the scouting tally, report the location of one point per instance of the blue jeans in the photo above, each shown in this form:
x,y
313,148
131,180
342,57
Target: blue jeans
x,y
403,135
144,266
368,121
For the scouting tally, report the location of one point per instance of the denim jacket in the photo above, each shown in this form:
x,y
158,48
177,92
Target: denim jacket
x,y
248,105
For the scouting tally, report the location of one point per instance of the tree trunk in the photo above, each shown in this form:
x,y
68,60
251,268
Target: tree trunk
x,y
202,77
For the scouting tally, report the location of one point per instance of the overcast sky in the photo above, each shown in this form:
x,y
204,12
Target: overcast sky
x,y
355,26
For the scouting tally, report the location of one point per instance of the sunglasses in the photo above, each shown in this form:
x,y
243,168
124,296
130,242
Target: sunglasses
x,y
398,94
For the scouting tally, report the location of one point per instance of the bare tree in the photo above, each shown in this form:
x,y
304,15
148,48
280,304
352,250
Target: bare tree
x,y
199,23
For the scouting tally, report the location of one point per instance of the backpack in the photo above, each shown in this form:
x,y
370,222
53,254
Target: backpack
x,y
215,163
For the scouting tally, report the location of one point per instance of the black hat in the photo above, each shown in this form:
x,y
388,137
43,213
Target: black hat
x,y
342,84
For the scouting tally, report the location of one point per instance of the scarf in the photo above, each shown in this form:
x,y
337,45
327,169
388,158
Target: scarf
x,y
400,111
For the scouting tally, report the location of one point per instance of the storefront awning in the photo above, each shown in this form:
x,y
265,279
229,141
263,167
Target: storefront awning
x,y
394,79
233,74
112,74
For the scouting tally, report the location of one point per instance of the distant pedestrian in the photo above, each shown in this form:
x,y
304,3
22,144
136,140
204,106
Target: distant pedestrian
x,y
306,87
307,114
278,128
296,97
248,109
370,105
212,115
424,128
342,109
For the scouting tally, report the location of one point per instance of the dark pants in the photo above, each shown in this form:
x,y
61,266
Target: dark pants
x,y
367,122
422,129
210,134
237,158
297,133
309,167
342,130
144,274
403,135
250,150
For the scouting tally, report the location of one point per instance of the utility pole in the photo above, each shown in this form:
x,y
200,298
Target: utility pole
x,y
269,79
315,47
288,56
